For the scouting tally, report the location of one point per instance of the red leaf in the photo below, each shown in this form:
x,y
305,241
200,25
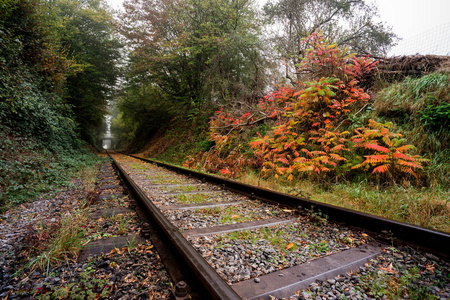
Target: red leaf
x,y
225,172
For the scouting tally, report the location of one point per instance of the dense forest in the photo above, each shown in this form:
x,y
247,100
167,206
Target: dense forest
x,y
293,95
58,70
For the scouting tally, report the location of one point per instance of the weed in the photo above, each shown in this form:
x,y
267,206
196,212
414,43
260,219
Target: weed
x,y
122,224
192,198
131,244
381,284
64,244
318,216
88,287
140,166
231,215
181,188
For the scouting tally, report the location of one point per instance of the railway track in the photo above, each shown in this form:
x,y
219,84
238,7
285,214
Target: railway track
x,y
240,242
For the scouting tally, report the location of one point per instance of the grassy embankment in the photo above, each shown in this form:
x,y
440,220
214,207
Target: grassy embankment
x,y
29,170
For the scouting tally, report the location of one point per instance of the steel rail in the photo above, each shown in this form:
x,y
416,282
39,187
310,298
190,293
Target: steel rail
x,y
213,283
432,241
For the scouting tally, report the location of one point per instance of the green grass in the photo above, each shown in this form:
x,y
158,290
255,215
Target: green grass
x,y
140,166
61,245
286,239
233,213
163,181
426,207
192,198
182,188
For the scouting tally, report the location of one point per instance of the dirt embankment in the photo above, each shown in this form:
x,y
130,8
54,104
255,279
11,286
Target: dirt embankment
x,y
412,65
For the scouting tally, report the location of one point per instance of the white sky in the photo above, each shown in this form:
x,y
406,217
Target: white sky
x,y
411,17
412,20
424,25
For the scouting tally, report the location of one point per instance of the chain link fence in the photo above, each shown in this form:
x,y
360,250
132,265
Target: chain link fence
x,y
434,41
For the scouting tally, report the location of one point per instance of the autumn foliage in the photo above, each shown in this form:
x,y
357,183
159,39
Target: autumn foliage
x,y
305,130
389,153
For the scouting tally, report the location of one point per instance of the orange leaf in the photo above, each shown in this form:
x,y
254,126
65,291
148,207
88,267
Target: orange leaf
x,y
289,246
403,156
370,159
388,269
381,169
377,148
410,164
113,251
405,148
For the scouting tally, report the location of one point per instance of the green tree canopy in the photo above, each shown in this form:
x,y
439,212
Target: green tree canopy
x,y
86,33
351,23
32,75
196,51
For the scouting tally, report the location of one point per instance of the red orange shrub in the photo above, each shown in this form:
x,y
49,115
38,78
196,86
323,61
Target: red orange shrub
x,y
303,135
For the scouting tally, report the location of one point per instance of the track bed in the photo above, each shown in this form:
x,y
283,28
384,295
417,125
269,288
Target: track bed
x,y
257,248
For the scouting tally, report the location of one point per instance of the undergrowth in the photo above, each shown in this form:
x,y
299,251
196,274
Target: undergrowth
x,y
186,136
49,245
420,110
419,206
28,168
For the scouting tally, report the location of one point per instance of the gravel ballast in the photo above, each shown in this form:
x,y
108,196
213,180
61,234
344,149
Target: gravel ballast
x,y
132,271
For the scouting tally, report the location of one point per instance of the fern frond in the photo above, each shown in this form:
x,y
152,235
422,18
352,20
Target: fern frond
x,y
322,168
316,153
377,148
309,168
374,159
381,169
283,160
405,169
338,148
402,156
405,148
337,157
420,159
300,160
358,166
413,165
